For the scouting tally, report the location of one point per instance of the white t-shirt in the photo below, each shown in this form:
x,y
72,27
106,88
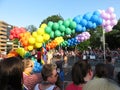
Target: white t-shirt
x,y
50,88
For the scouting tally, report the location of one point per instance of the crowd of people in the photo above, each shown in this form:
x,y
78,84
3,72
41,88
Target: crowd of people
x,y
17,73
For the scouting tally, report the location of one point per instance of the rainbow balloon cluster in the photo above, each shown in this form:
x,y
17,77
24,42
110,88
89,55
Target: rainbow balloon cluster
x,y
109,19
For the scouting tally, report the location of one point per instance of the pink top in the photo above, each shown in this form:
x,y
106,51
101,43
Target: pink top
x,y
31,80
73,87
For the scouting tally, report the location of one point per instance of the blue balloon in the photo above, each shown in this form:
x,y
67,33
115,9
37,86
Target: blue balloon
x,y
89,24
94,18
78,28
83,22
96,13
83,29
94,25
99,21
87,16
77,19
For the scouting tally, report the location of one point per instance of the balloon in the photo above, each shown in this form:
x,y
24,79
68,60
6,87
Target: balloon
x,y
77,19
108,28
68,31
52,34
63,34
113,22
60,22
112,16
89,24
87,16
96,13
55,26
62,28
11,37
48,30
30,47
34,34
73,31
78,28
72,25
43,25
39,39
50,23
40,31
66,23
31,40
99,21
38,45
46,37
110,10
83,22
94,18
57,33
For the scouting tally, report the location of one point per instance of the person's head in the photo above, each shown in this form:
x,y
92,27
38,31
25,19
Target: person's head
x,y
100,70
101,84
49,73
81,72
118,77
28,66
108,59
11,74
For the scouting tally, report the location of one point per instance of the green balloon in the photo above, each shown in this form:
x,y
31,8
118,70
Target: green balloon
x,y
60,22
68,31
63,34
62,28
52,34
57,33
55,26
73,31
48,30
66,23
50,23
73,25
69,19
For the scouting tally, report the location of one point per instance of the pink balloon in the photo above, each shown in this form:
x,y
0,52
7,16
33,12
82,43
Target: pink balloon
x,y
110,10
108,28
114,22
112,16
107,23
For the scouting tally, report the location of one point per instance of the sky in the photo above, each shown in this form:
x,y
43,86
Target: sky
x,y
22,13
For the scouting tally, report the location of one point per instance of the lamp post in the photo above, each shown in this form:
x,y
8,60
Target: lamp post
x,y
103,39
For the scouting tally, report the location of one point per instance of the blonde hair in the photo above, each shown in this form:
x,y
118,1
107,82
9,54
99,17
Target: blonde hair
x,y
101,84
27,62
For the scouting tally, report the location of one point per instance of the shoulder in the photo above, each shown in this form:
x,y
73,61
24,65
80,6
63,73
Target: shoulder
x,y
36,87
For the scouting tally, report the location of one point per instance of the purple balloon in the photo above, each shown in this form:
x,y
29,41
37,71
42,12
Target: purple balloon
x,y
113,22
112,16
108,28
110,10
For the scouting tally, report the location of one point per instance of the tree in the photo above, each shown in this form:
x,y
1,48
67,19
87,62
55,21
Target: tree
x,y
31,28
54,18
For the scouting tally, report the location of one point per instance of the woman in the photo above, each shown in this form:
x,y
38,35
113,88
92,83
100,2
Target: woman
x,y
50,76
11,74
30,80
81,73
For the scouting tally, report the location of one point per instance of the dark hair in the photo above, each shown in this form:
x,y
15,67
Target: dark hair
x,y
11,74
101,70
79,71
108,58
47,71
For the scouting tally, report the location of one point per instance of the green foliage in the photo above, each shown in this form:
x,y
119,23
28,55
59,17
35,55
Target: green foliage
x,y
31,28
53,18
117,27
83,45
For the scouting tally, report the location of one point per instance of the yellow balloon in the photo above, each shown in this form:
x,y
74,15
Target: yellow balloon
x,y
30,47
34,34
43,25
38,45
31,40
46,37
40,31
39,39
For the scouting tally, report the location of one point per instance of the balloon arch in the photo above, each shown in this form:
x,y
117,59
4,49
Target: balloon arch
x,y
52,34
